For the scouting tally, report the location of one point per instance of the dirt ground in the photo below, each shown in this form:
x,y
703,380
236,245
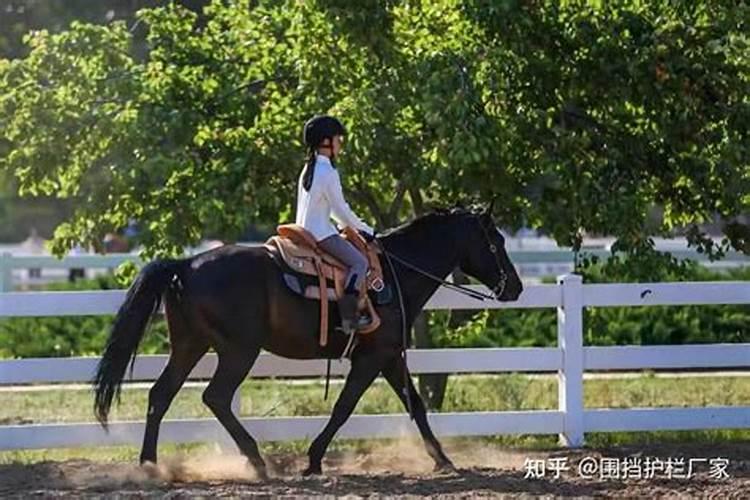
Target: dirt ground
x,y
404,470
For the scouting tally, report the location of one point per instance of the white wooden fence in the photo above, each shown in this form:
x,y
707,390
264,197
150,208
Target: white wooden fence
x,y
569,359
530,263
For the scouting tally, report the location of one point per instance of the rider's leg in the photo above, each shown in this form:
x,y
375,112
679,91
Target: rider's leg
x,y
349,255
357,263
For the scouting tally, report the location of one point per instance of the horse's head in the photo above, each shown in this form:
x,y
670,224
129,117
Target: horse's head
x,y
483,256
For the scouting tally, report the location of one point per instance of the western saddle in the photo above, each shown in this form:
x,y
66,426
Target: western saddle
x,y
299,250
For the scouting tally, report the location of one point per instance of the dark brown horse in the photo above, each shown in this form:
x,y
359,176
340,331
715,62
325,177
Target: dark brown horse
x,y
234,300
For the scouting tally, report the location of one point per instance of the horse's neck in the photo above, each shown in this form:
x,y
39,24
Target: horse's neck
x,y
418,289
435,252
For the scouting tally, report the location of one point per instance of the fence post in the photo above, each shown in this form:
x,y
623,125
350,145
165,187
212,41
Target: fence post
x,y
6,272
570,341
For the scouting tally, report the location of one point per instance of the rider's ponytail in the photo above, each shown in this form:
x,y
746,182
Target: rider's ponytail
x,y
307,178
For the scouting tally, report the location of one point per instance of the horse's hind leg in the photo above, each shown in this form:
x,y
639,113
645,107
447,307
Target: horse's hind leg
x,y
230,372
394,374
185,351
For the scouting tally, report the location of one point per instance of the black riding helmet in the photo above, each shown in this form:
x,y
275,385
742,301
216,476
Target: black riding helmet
x,y
318,128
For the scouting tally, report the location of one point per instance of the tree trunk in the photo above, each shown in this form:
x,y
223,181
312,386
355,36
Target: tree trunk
x,y
431,387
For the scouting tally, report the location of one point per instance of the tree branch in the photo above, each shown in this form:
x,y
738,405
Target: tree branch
x,y
398,200
366,197
416,200
255,85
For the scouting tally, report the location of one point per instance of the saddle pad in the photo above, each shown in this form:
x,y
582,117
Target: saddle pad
x,y
307,287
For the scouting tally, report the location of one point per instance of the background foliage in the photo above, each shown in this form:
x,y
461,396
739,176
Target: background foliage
x,y
581,116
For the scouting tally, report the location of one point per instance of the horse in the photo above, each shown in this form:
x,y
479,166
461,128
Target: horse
x,y
233,299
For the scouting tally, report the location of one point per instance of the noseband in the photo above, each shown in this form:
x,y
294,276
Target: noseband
x,y
499,288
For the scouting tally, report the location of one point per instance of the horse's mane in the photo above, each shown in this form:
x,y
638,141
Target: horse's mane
x,y
425,220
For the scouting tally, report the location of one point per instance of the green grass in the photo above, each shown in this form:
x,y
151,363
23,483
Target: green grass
x,y
279,398
464,393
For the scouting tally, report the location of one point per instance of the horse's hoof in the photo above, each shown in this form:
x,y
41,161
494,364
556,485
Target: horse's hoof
x,y
150,468
258,468
312,470
445,468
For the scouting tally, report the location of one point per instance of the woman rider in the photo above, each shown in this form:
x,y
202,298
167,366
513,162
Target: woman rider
x,y
320,198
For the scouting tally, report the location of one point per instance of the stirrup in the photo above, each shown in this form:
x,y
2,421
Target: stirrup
x,y
347,327
363,321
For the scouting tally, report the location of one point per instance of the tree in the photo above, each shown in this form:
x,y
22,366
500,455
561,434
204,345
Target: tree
x,y
21,16
553,107
620,106
209,124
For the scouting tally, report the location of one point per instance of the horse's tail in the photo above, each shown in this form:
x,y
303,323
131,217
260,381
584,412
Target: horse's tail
x,y
141,303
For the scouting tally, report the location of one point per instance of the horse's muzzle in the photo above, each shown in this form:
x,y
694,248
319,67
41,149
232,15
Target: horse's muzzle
x,y
505,293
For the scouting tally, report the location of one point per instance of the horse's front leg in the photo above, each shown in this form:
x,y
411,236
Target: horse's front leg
x,y
398,376
365,368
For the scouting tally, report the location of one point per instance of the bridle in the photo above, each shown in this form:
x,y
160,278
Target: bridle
x,y
503,281
497,290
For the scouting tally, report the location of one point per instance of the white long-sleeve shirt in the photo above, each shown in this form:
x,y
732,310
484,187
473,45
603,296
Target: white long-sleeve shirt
x,y
325,200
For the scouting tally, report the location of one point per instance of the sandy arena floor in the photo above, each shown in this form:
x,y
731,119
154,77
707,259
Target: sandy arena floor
x,y
398,471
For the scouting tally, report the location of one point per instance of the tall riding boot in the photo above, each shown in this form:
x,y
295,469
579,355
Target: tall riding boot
x,y
348,305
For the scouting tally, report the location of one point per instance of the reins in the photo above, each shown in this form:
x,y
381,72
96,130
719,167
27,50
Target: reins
x,y
404,339
453,286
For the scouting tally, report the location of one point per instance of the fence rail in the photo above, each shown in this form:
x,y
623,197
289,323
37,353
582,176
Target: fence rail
x,y
569,359
531,262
